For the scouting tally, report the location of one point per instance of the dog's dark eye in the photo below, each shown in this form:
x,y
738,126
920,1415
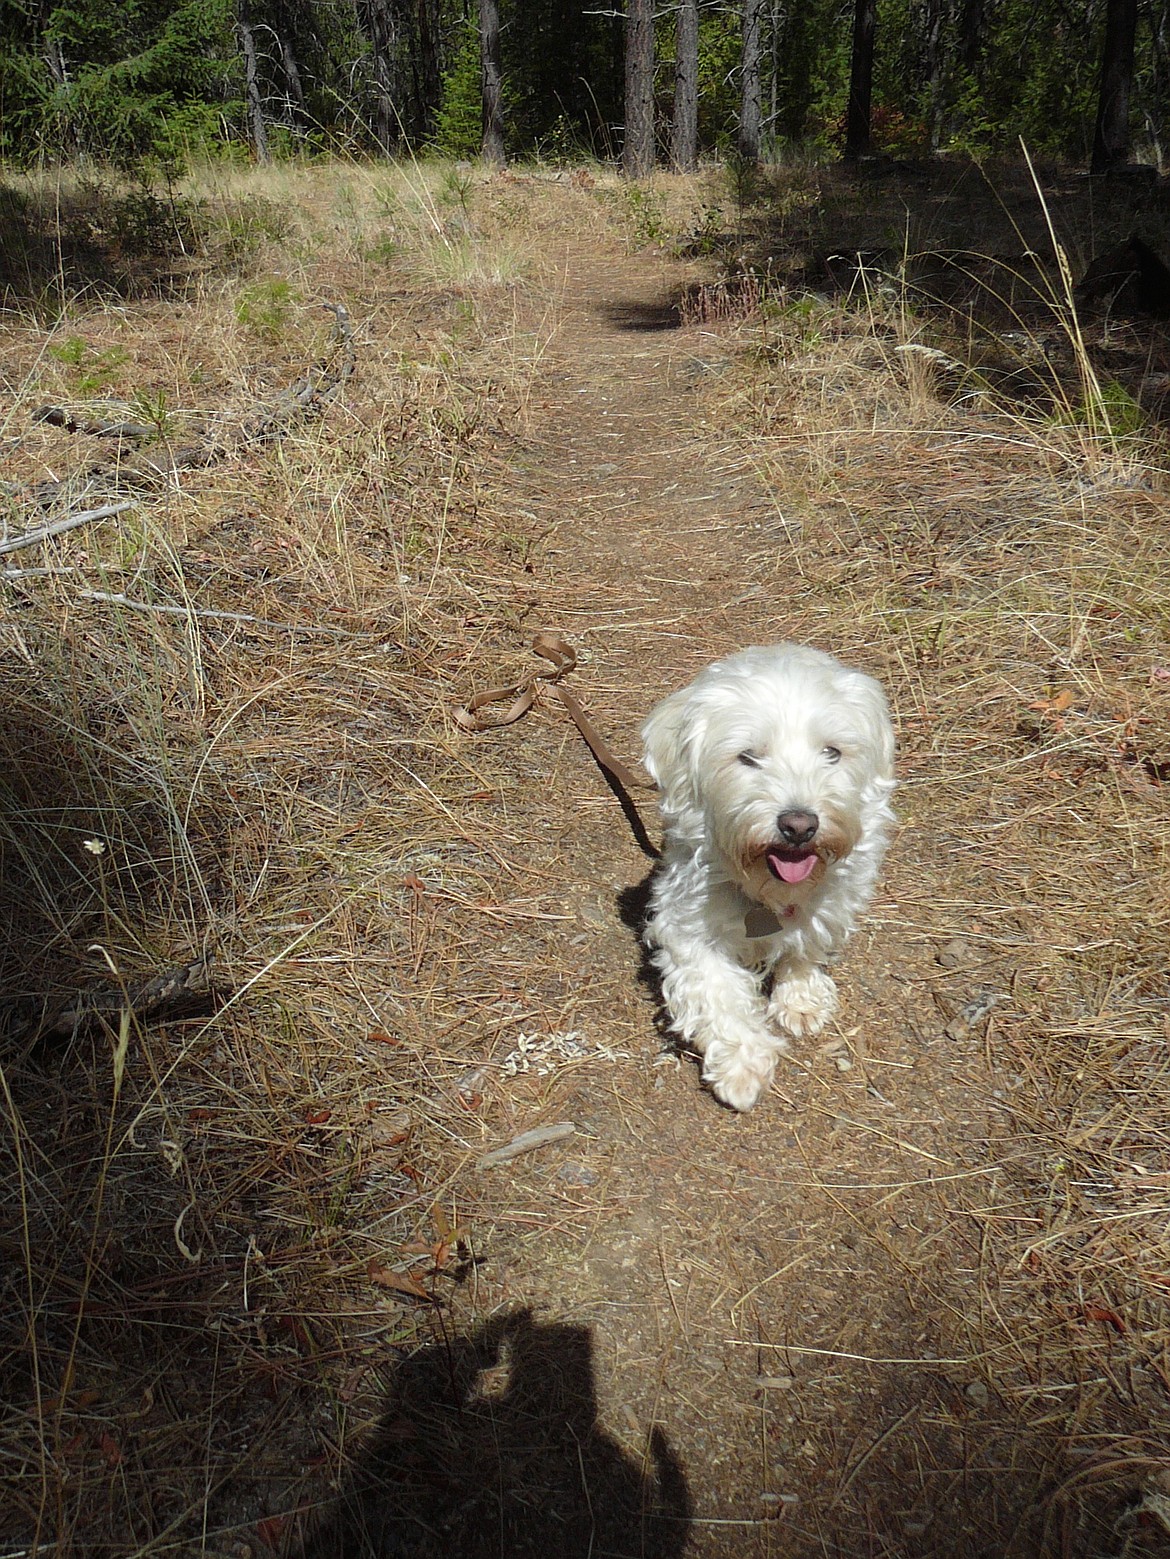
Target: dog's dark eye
x,y
749,760
833,754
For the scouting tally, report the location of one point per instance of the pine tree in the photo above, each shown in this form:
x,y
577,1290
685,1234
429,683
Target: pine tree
x,y
1111,136
684,138
638,152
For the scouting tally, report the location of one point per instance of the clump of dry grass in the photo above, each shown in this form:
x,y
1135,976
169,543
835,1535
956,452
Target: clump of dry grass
x,y
1007,572
250,758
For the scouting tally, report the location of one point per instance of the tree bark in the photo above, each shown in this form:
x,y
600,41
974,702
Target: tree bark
x,y
970,24
491,83
684,133
430,77
377,21
858,142
749,112
55,64
935,69
1111,136
252,92
292,77
638,151
775,24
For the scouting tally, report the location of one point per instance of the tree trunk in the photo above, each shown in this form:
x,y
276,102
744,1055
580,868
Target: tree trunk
x,y
1159,95
1111,137
935,69
775,21
970,24
377,22
430,87
749,112
638,151
252,92
857,121
292,77
684,132
491,82
54,59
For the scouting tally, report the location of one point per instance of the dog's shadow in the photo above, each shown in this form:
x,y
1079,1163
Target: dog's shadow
x,y
633,907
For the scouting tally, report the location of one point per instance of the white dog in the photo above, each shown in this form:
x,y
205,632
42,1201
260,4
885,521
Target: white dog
x,y
775,768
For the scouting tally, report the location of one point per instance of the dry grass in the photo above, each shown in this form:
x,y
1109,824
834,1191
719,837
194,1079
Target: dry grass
x,y
194,1208
213,1222
1011,574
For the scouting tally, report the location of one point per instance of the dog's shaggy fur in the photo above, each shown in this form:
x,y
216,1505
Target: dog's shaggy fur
x,y
775,769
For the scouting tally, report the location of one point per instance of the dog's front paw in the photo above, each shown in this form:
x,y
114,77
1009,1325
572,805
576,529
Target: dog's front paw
x,y
739,1075
803,1003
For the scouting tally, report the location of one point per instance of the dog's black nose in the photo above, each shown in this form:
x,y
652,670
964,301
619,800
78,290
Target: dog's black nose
x,y
797,828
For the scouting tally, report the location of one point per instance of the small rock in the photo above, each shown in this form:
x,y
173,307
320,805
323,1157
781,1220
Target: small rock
x,y
972,1015
977,1393
836,1050
953,954
776,1382
576,1174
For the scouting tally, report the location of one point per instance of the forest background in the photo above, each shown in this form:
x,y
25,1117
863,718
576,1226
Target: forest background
x,y
151,84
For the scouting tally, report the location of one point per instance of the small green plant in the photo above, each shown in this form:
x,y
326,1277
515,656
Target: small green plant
x,y
266,307
706,233
744,181
151,408
561,144
644,212
383,248
93,370
146,224
1107,409
456,187
71,351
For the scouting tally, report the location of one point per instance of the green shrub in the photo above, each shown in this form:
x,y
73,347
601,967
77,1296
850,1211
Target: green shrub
x,y
266,307
459,121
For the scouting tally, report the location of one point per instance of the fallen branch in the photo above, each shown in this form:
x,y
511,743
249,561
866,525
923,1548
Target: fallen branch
x,y
301,400
110,598
12,575
539,1137
29,538
58,417
169,993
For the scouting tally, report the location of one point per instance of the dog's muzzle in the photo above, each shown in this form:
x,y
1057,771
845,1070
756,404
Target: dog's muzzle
x,y
792,859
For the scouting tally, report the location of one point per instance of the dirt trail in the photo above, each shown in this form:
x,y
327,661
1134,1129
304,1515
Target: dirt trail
x,y
770,1300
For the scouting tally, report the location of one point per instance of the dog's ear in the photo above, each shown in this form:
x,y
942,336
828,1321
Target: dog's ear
x,y
671,738
870,703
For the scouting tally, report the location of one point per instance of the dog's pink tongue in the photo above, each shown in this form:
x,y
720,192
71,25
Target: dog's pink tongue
x,y
789,870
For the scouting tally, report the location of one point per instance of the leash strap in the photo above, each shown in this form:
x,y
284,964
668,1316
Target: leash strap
x,y
520,697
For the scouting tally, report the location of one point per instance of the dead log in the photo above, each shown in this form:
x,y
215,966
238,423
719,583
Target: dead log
x,y
172,992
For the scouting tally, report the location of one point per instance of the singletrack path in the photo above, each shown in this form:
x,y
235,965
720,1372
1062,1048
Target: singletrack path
x,y
765,1309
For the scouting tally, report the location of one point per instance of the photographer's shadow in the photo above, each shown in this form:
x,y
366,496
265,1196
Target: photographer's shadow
x,y
490,1448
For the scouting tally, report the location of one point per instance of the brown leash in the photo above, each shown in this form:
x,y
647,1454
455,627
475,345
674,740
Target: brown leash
x,y
520,697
